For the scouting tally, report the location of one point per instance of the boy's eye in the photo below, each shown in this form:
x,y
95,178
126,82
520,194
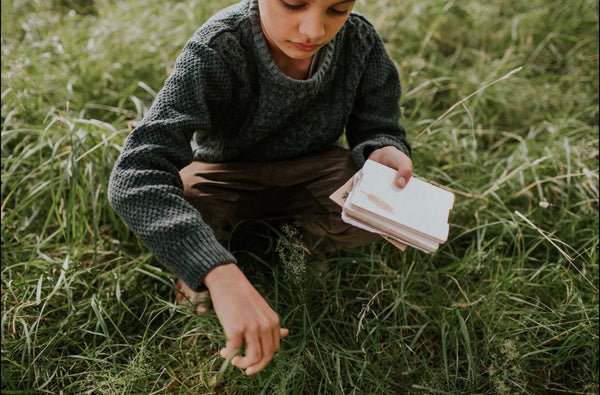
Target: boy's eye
x,y
335,11
293,7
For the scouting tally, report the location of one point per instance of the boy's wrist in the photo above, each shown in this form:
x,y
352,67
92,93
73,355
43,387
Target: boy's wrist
x,y
220,273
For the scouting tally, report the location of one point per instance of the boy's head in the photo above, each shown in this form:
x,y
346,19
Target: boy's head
x,y
299,28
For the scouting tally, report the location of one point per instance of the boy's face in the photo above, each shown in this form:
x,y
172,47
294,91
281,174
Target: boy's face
x,y
299,28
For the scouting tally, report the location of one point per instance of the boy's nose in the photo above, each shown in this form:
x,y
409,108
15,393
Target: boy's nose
x,y
313,28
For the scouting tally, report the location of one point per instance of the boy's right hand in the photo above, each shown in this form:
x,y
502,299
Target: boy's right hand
x,y
246,318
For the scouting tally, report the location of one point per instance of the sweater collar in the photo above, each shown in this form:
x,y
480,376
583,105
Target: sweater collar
x,y
268,66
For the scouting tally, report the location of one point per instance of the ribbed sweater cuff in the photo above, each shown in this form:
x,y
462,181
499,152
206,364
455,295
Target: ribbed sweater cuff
x,y
193,257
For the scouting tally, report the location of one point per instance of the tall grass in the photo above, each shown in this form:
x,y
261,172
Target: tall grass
x,y
508,305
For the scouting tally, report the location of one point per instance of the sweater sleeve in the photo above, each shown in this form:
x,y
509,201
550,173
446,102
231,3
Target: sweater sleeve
x,y
373,123
145,188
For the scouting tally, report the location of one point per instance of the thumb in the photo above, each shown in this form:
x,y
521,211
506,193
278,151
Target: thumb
x,y
403,176
283,332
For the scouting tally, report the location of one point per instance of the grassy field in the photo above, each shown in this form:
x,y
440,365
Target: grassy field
x,y
501,104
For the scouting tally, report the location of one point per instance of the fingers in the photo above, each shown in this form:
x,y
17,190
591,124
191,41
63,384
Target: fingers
x,y
233,343
404,171
258,367
262,341
182,287
267,355
245,316
270,345
184,295
260,348
396,159
255,350
201,309
275,338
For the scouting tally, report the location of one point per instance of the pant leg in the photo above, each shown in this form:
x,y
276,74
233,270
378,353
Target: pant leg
x,y
297,189
221,191
322,227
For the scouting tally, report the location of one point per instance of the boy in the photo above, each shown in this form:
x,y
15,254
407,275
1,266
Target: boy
x,y
263,90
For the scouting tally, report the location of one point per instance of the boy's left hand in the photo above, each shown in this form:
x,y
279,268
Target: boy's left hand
x,y
396,159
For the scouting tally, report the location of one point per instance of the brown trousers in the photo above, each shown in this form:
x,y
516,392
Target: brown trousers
x,y
297,189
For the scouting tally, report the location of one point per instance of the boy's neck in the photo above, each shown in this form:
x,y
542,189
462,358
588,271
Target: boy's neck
x,y
293,68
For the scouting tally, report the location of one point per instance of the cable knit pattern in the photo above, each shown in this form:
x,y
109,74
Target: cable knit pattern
x,y
227,100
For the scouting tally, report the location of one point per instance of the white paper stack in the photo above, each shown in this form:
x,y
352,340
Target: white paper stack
x,y
416,215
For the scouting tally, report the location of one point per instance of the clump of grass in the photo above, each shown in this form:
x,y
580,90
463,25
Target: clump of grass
x,y
293,258
505,371
508,305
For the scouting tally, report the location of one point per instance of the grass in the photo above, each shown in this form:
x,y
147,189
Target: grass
x,y
508,305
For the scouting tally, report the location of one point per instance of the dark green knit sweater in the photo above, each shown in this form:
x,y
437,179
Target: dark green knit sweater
x,y
227,100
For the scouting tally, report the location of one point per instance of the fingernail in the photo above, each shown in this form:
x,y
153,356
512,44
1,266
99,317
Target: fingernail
x,y
402,181
201,309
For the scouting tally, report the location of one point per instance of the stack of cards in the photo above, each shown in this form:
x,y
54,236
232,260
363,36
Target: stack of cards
x,y
416,215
